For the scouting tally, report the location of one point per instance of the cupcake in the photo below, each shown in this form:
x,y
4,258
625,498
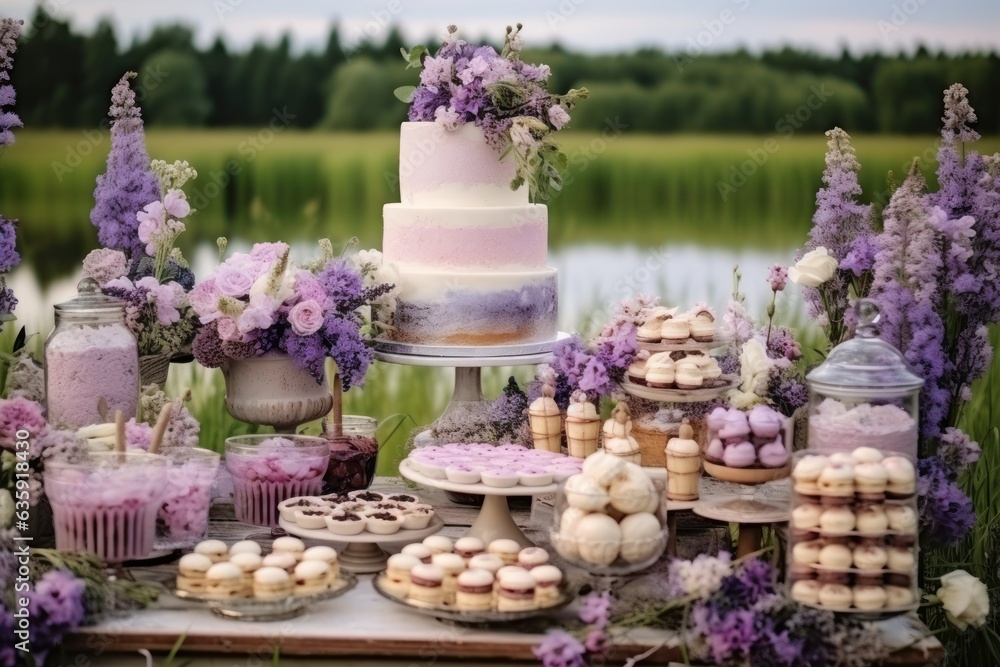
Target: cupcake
x,y
702,325
474,590
676,329
660,372
637,369
272,583
224,580
397,573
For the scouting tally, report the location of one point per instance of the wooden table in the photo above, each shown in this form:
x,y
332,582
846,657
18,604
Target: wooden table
x,y
362,625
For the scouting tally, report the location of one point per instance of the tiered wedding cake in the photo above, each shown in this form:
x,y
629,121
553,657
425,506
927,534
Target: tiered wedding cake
x,y
471,253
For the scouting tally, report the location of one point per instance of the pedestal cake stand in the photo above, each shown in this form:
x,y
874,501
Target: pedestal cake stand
x,y
363,555
494,520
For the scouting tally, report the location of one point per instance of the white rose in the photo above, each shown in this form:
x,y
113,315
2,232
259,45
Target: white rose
x,y
814,269
964,598
283,290
755,373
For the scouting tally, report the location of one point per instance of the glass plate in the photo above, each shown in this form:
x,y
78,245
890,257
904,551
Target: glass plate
x,y
473,617
252,609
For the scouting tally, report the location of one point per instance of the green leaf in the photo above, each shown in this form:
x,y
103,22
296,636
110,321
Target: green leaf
x,y
405,54
561,161
405,93
517,182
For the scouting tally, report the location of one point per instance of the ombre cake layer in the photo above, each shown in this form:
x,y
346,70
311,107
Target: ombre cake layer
x,y
511,238
498,308
453,168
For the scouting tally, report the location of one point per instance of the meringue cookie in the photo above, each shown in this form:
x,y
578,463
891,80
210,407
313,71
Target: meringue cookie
x,y
870,598
603,467
837,479
585,493
837,520
765,422
806,516
630,492
742,455
901,519
807,472
836,556
716,419
773,454
676,329
870,557
715,451
867,455
598,539
872,519
735,425
687,375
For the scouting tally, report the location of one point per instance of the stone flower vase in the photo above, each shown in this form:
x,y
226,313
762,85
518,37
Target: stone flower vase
x,y
273,390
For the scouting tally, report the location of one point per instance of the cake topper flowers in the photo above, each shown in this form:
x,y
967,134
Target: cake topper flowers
x,y
505,97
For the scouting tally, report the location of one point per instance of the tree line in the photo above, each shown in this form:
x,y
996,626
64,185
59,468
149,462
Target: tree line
x,y
64,77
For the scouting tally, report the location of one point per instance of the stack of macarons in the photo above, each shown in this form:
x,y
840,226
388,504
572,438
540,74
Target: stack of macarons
x,y
854,530
215,570
357,512
499,466
469,575
610,514
738,439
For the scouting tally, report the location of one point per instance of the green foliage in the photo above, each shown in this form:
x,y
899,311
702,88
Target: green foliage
x,y
361,96
174,90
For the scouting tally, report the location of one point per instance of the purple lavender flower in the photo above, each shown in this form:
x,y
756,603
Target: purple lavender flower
x,y
595,609
777,277
56,607
957,449
860,258
728,634
309,352
128,184
348,350
946,513
9,30
9,258
788,393
508,412
560,649
8,656
342,283
207,347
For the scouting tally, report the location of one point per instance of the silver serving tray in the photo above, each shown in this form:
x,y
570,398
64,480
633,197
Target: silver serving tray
x,y
472,617
252,609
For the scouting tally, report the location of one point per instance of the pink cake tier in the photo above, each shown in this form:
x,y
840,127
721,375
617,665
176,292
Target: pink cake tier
x,y
471,253
106,505
269,469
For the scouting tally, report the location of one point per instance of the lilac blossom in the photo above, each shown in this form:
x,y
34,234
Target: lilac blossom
x,y
907,273
9,257
129,184
9,31
56,607
348,350
104,265
946,513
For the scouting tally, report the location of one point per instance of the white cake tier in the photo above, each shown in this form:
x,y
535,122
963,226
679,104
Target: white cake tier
x,y
511,238
476,308
454,168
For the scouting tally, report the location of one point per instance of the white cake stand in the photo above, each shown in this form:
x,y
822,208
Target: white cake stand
x,y
494,520
362,555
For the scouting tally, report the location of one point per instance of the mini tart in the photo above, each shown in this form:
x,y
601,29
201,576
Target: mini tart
x,y
502,478
462,474
272,583
224,580
405,498
291,545
311,518
216,550
348,523
311,577
417,516
474,590
427,584
386,522
288,508
366,496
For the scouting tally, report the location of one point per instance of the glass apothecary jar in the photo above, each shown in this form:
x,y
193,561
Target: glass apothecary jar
x,y
91,354
353,453
864,395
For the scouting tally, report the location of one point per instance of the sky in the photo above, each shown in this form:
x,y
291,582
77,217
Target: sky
x,y
592,25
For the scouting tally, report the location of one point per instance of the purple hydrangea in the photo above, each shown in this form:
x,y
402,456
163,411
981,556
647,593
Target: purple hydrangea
x,y
946,513
56,606
9,31
342,283
128,184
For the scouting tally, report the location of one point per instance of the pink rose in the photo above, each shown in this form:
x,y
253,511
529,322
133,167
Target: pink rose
x,y
205,300
227,330
306,317
17,414
234,281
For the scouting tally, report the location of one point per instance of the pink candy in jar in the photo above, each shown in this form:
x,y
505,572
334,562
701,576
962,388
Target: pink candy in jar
x,y
747,440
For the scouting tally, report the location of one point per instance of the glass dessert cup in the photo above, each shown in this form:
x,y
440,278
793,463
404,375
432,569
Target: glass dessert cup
x,y
353,454
590,533
106,503
268,469
183,517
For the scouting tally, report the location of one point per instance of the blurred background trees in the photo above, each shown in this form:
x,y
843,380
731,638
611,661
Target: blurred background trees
x,y
64,79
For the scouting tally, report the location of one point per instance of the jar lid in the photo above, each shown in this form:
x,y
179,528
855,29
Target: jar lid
x,y
90,299
866,363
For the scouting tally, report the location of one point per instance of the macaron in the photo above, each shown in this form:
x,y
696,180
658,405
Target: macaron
x,y
506,550
224,580
311,577
532,557
290,545
280,559
427,584
489,562
469,546
245,546
439,544
214,549
418,550
516,591
272,583
474,590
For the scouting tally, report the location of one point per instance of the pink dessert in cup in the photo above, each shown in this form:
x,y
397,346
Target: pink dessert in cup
x,y
183,517
268,469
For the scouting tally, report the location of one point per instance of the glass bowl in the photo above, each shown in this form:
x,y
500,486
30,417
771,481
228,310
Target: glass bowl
x,y
106,503
268,469
183,517
612,532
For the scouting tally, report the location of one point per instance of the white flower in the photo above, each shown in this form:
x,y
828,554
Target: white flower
x,y
755,368
520,135
814,269
447,118
558,116
964,598
279,294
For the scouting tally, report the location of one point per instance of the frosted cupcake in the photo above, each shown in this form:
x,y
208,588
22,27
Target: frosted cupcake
x,y
269,469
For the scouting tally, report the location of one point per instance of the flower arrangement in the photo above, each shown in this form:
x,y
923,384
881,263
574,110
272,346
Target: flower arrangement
x,y
9,31
505,97
139,211
562,649
766,357
257,302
